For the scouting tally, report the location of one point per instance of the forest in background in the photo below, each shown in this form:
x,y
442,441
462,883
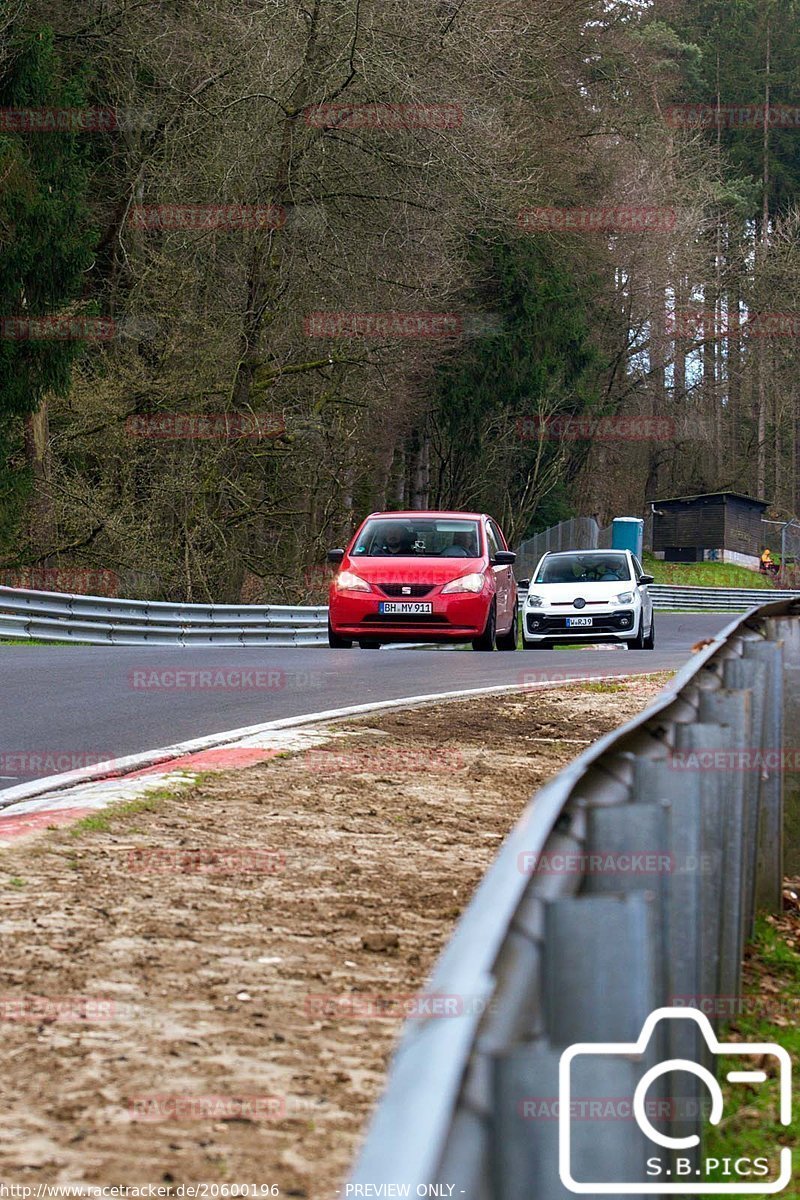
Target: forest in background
x,y
406,159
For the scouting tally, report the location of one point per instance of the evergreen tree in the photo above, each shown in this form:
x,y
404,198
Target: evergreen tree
x,y
494,399
749,51
45,246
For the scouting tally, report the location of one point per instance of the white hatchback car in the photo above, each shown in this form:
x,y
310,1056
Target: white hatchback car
x,y
589,596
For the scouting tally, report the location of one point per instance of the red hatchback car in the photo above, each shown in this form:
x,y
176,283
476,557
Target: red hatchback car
x,y
424,576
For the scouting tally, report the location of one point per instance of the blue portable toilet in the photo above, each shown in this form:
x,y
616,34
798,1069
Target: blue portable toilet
x,y
627,533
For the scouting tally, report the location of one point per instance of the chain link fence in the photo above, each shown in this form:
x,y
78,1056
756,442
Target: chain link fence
x,y
584,533
579,533
783,539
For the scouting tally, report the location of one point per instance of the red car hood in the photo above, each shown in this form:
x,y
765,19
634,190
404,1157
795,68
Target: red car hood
x,y
432,571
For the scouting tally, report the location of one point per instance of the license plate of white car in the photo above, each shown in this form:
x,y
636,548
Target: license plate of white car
x,y
401,607
578,622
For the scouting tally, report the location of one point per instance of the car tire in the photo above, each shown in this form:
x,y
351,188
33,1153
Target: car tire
x,y
337,643
366,644
487,638
637,643
508,641
650,640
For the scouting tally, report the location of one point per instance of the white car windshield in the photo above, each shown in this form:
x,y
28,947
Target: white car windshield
x,y
589,567
418,538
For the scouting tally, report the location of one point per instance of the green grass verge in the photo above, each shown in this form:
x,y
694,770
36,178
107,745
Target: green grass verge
x,y
105,819
26,642
750,1126
108,819
706,574
39,642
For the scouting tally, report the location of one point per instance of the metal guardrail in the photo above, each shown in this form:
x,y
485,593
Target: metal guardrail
x,y
548,955
100,620
667,598
712,599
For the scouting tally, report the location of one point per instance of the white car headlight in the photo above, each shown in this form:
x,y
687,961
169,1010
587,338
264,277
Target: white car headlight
x,y
466,583
624,598
347,581
534,601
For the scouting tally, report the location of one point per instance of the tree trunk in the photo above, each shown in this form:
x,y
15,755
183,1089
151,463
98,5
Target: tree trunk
x,y
762,381
266,256
422,475
39,459
736,415
710,400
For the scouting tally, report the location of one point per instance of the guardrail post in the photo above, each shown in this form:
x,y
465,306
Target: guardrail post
x,y
599,983
733,711
755,676
599,967
618,836
772,781
679,794
786,630
691,742
663,828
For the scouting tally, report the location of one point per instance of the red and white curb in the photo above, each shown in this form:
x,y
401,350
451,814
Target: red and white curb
x,y
30,808
65,805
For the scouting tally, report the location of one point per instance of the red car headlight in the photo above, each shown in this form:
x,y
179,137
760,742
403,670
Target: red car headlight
x,y
465,583
348,581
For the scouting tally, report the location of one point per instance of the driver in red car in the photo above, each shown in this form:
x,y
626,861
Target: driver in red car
x,y
398,540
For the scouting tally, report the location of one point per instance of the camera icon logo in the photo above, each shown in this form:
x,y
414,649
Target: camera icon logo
x,y
666,1171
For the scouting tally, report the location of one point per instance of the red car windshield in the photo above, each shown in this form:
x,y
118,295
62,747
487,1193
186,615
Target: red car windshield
x,y
439,537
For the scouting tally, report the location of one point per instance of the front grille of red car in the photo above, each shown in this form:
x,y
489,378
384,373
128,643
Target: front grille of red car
x,y
415,590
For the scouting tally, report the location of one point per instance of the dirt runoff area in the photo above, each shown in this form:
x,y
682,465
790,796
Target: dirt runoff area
x,y
206,986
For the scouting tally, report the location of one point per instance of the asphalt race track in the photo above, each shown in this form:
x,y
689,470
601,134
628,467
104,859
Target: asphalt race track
x,y
98,702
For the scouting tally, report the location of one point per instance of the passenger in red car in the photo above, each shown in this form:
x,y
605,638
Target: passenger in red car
x,y
464,546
